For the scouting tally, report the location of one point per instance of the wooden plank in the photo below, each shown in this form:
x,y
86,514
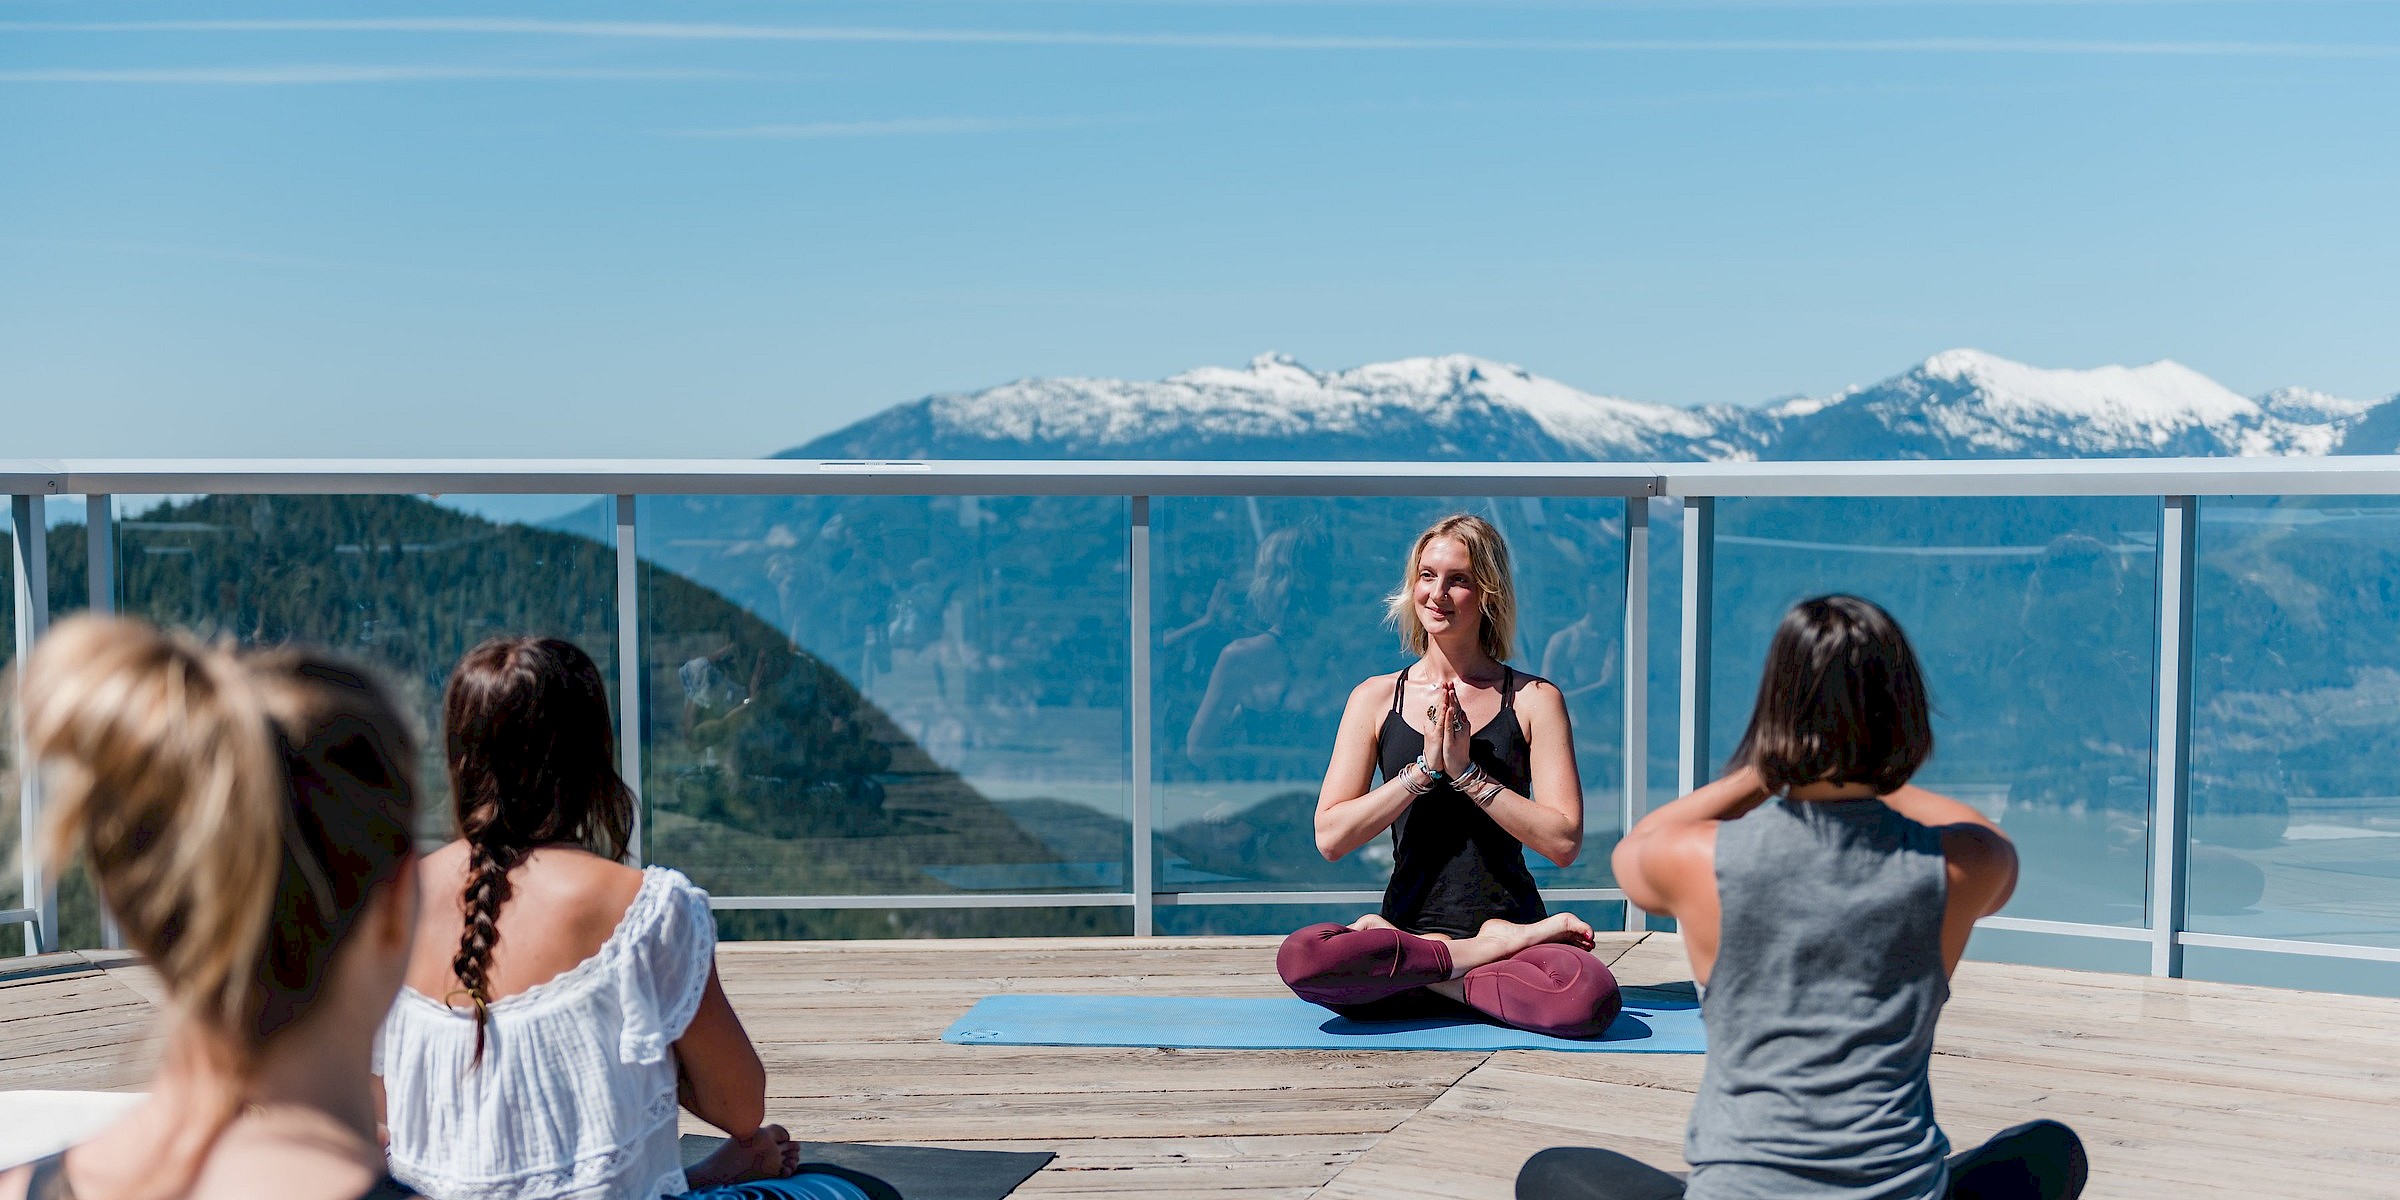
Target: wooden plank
x,y
922,1069
2180,1089
78,1029
1445,1155
1657,959
31,968
1152,1113
2177,1089
1191,1166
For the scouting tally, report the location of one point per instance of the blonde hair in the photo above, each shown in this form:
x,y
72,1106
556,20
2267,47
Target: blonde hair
x,y
236,812
1487,566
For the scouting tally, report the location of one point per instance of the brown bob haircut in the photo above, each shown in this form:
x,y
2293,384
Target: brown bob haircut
x,y
1841,701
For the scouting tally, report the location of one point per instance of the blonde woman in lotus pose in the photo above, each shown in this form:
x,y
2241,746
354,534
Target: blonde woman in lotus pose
x,y
1477,763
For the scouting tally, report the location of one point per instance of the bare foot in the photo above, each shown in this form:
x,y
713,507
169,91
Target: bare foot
x,y
1564,928
768,1154
1372,921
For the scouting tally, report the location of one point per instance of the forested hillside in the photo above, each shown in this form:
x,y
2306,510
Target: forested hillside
x,y
805,789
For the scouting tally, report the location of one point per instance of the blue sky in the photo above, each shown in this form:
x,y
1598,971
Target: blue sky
x,y
721,229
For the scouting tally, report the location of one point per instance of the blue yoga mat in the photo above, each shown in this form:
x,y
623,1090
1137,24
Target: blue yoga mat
x,y
1652,1023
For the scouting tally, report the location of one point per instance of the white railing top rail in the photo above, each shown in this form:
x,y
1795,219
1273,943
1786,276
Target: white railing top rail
x,y
2294,476
748,476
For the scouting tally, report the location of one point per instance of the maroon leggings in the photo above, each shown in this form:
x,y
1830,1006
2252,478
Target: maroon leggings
x,y
1553,989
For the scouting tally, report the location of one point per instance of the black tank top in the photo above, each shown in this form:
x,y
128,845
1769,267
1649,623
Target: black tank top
x,y
1453,866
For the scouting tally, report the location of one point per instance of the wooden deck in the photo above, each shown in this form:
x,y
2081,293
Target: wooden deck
x,y
2179,1089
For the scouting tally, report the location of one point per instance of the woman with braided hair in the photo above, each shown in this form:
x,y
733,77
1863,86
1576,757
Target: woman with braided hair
x,y
558,1002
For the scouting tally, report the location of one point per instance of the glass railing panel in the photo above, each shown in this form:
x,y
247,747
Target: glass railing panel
x,y
1267,611
889,696
14,838
69,566
1665,709
2295,776
64,566
2300,972
2034,619
1096,919
402,583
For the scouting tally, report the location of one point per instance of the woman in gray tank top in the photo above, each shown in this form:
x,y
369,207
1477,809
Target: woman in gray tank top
x,y
1824,902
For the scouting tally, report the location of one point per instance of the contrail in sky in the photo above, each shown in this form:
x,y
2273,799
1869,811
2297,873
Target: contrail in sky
x,y
862,34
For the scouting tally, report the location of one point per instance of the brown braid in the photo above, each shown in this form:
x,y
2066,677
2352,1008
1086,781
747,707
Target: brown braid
x,y
532,763
488,864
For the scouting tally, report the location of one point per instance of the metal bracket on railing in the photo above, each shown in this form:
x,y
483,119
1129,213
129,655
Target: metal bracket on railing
x,y
32,921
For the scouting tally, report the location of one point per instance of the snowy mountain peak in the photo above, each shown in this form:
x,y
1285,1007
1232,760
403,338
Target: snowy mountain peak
x,y
1453,406
1960,403
2160,392
2309,404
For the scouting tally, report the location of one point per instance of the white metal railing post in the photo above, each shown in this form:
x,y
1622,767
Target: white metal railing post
x,y
1137,601
2171,726
1692,766
629,666
100,578
1636,674
32,582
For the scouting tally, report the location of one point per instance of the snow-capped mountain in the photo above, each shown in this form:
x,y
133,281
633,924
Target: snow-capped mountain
x,y
1968,404
1454,407
1956,404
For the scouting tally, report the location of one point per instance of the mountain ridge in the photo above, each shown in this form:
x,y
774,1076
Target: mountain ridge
x,y
1959,403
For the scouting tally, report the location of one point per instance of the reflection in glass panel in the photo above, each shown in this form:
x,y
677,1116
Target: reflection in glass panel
x,y
889,695
1266,612
2295,795
399,582
2034,620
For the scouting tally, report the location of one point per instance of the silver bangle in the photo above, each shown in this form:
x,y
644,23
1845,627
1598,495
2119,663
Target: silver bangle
x,y
1479,786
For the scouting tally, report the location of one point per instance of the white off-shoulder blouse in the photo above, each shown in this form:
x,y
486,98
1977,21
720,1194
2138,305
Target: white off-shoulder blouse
x,y
575,1096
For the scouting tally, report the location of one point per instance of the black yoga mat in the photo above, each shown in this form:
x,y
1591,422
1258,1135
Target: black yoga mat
x,y
909,1172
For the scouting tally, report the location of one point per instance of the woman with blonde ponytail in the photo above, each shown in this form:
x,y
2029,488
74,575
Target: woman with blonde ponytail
x,y
560,1003
247,819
